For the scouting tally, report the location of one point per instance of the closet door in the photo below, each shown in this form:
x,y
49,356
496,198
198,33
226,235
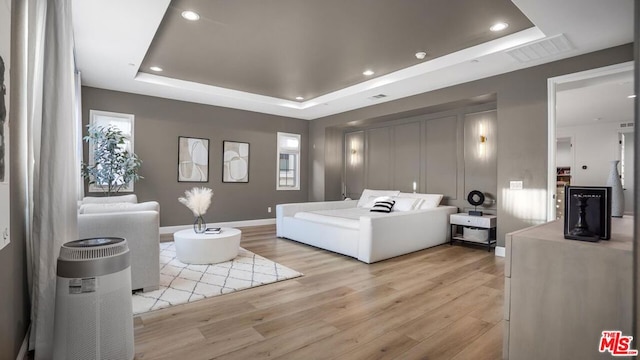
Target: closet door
x,y
378,173
354,164
406,157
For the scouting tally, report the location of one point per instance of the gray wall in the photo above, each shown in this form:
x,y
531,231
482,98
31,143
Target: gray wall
x,y
159,122
441,152
521,133
14,296
480,160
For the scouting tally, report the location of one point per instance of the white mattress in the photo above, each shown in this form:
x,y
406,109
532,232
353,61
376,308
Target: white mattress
x,y
349,218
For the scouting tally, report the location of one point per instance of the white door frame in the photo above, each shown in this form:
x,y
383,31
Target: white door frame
x,y
552,85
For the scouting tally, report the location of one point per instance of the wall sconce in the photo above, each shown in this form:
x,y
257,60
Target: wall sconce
x,y
482,143
354,156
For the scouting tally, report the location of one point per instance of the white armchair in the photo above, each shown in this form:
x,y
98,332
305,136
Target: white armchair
x,y
139,224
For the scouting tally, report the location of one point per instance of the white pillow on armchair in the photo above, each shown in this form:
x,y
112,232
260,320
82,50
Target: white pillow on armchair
x,y
131,198
118,207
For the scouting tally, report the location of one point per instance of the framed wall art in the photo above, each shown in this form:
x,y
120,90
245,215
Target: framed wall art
x,y
587,213
235,164
193,159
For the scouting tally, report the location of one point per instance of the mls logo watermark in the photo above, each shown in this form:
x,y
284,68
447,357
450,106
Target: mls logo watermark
x,y
617,344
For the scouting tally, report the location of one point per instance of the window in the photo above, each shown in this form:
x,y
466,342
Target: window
x,y
288,162
124,122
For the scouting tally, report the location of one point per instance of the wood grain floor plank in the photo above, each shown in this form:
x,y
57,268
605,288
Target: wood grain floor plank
x,y
434,321
178,340
486,347
497,283
212,348
284,343
487,311
448,342
387,346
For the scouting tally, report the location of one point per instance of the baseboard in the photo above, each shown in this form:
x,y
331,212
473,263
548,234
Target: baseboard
x,y
242,223
501,251
24,348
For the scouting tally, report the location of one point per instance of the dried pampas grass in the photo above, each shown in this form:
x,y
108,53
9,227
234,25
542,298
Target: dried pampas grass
x,y
197,200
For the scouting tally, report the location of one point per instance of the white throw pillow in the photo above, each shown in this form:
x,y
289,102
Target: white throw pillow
x,y
429,201
370,203
405,204
366,203
367,193
383,206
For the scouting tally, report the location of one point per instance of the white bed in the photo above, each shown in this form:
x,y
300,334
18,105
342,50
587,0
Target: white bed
x,y
350,228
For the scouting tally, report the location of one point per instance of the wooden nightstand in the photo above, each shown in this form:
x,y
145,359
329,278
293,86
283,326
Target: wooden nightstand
x,y
473,224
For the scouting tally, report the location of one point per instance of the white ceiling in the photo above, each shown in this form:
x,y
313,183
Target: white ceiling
x,y
112,39
601,99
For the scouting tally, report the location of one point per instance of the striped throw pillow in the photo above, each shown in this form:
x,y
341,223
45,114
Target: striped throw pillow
x,y
384,206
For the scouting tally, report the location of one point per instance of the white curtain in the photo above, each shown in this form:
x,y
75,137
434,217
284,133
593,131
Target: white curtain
x,y
52,155
78,119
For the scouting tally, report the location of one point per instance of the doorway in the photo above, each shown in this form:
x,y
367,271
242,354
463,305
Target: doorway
x,y
627,148
593,108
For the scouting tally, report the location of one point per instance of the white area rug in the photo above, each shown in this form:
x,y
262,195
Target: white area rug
x,y
182,283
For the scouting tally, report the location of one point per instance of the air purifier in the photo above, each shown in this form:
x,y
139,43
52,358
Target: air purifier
x,y
93,313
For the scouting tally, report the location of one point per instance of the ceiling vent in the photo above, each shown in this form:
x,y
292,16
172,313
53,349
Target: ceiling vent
x,y
377,97
541,49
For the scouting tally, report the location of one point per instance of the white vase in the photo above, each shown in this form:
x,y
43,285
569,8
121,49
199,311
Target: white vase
x,y
617,196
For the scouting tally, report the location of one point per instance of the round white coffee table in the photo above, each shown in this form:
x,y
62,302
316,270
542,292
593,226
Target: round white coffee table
x,y
192,248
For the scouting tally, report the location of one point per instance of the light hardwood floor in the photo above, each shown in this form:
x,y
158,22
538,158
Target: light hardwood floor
x,y
440,303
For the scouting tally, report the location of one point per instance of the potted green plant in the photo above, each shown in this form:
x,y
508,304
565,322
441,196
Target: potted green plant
x,y
113,166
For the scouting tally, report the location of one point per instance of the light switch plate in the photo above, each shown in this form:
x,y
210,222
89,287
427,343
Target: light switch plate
x,y
515,185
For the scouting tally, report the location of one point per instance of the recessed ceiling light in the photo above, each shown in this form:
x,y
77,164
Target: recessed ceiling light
x,y
631,96
190,15
421,55
155,68
299,98
368,72
499,26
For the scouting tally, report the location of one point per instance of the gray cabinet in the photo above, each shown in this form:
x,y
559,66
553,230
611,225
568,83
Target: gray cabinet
x,y
561,294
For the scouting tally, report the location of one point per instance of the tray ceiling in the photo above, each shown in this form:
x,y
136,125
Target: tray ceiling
x,y
307,48
258,55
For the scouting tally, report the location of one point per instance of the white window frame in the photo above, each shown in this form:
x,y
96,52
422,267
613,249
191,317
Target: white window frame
x,y
282,149
101,118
